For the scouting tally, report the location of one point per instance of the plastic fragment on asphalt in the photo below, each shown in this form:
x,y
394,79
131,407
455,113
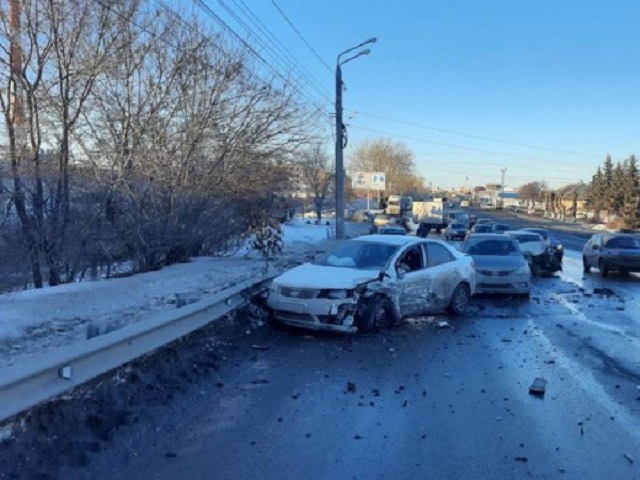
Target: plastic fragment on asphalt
x,y
443,324
521,459
629,458
538,387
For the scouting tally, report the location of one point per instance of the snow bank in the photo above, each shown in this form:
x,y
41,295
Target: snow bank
x,y
35,320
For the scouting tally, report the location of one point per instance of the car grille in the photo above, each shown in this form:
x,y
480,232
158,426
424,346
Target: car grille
x,y
303,293
491,273
494,285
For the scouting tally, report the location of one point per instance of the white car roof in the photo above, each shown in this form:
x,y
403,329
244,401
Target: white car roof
x,y
398,240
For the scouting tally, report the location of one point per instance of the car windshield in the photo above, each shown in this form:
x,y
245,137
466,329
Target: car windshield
x,y
491,247
527,237
624,242
458,226
543,233
359,254
501,228
392,231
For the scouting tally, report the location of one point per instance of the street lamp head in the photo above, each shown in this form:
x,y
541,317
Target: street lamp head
x,y
366,51
371,40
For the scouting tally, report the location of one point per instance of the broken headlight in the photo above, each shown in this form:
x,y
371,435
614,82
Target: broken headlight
x,y
335,294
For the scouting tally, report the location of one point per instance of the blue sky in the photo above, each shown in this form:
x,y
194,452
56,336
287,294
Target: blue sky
x,y
563,75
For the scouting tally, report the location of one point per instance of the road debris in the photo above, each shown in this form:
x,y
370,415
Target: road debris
x,y
521,459
375,392
351,387
538,386
603,291
260,381
171,454
629,458
259,347
357,437
443,324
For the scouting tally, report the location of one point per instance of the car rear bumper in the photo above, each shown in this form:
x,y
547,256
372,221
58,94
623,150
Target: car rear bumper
x,y
486,284
623,264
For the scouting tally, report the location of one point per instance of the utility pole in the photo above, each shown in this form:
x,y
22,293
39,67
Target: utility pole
x,y
503,171
339,157
340,137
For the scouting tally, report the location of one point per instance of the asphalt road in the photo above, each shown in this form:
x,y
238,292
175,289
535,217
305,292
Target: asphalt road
x,y
417,401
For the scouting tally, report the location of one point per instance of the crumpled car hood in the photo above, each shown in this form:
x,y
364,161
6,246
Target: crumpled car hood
x,y
533,248
320,277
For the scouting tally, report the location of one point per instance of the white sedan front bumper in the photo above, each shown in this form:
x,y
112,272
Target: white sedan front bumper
x,y
314,313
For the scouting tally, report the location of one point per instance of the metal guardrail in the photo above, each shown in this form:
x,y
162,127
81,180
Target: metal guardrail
x,y
49,375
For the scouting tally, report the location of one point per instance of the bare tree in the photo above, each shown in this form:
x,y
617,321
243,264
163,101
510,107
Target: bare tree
x,y
317,174
383,155
163,140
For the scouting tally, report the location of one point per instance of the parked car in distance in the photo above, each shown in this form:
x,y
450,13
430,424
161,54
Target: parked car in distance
x,y
373,281
541,259
390,229
484,220
482,228
554,244
500,227
381,220
608,252
456,231
500,264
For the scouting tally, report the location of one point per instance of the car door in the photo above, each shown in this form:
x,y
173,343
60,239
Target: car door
x,y
593,250
444,276
415,281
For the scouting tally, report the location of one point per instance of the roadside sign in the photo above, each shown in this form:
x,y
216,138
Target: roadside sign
x,y
360,180
369,180
377,181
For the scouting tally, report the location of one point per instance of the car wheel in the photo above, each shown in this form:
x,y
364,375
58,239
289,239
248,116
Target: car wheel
x,y
585,265
376,315
460,299
604,271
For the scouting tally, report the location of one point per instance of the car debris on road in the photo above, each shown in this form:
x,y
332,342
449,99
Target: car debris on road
x,y
538,387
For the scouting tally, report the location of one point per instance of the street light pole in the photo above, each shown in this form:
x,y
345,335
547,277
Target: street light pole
x,y
339,158
340,135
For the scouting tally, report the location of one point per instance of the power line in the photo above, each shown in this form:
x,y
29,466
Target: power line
x,y
474,136
277,57
275,41
284,15
460,147
211,13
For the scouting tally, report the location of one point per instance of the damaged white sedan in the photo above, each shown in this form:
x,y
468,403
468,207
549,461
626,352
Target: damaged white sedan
x,y
372,282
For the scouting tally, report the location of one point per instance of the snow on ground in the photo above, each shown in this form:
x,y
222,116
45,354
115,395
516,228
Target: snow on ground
x,y
33,321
